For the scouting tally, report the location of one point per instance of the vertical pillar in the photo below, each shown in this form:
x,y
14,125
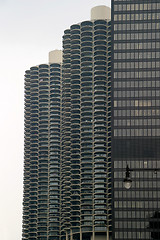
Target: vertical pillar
x,y
107,234
66,235
80,234
71,234
93,235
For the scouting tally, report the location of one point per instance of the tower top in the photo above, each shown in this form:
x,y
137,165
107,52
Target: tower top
x,y
55,56
100,12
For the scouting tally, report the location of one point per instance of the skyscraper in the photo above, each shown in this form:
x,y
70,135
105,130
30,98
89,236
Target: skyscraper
x,y
75,111
41,203
67,170
86,124
136,115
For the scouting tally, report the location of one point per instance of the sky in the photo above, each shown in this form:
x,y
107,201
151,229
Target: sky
x,y
29,29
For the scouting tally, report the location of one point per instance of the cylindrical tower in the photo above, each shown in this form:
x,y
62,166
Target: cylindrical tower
x,y
86,104
66,137
41,203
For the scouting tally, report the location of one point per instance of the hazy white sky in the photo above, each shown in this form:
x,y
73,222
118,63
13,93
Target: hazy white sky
x,y
29,29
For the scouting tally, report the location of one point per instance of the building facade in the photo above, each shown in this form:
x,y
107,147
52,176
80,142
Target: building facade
x,y
86,123
41,202
75,111
67,168
135,116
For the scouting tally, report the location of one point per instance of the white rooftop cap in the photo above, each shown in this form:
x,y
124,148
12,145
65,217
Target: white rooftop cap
x,y
100,12
55,56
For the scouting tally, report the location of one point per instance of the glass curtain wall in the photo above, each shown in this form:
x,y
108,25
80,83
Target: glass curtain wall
x,y
136,115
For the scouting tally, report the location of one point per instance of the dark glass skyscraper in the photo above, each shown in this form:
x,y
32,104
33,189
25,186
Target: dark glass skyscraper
x,y
135,115
75,111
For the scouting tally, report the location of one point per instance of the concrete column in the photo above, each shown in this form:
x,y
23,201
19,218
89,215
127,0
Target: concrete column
x,y
107,234
71,234
66,236
93,235
81,234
